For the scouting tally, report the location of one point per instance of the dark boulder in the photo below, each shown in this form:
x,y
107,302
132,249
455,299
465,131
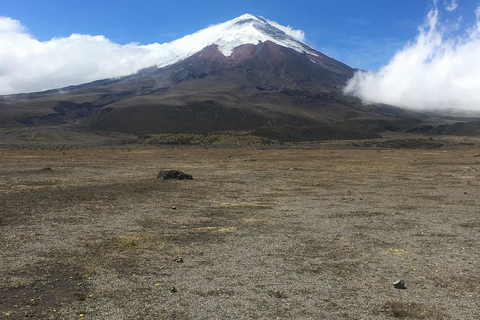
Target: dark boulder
x,y
399,285
173,174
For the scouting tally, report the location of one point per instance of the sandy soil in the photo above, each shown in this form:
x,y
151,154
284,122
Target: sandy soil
x,y
259,234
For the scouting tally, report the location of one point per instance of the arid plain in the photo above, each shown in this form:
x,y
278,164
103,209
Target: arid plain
x,y
305,231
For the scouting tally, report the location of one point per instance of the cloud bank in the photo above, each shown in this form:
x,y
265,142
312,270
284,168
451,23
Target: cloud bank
x,y
437,71
28,65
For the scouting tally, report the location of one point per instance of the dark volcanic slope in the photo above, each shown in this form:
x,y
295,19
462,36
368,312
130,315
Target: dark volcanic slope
x,y
268,66
263,85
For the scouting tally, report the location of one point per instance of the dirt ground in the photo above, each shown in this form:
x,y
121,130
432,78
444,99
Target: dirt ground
x,y
292,233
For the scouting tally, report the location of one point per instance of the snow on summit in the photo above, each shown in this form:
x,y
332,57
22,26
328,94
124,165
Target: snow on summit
x,y
231,34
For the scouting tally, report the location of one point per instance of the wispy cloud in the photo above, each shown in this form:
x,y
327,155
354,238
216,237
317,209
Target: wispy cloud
x,y
435,71
296,34
451,6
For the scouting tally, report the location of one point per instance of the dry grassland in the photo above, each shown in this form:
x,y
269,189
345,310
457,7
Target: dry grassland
x,y
259,234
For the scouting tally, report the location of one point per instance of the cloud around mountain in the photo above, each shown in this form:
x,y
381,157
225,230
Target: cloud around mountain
x,y
298,35
27,64
437,71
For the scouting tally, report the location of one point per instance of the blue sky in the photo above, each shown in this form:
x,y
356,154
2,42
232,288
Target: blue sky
x,y
363,34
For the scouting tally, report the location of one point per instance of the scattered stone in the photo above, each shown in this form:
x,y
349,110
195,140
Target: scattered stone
x,y
476,155
173,290
47,169
399,285
278,294
174,207
173,174
178,259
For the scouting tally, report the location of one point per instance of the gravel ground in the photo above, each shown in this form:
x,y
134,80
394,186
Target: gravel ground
x,y
258,234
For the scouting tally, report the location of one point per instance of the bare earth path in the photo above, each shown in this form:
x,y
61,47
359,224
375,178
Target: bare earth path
x,y
259,234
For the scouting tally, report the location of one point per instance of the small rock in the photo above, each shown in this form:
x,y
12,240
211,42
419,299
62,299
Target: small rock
x,y
173,290
178,259
173,174
174,207
399,285
278,294
476,155
47,169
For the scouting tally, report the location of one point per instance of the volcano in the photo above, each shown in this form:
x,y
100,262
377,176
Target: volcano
x,y
246,75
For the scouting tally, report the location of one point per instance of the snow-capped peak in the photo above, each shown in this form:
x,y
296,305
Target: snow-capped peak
x,y
245,29
246,16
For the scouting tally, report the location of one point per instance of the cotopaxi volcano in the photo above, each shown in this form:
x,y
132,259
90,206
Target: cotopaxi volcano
x,y
243,74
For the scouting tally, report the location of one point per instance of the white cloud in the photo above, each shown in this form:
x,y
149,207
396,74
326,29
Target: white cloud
x,y
298,35
8,25
452,6
28,65
433,72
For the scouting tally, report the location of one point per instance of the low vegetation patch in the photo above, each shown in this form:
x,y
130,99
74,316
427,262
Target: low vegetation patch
x,y
429,143
212,138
